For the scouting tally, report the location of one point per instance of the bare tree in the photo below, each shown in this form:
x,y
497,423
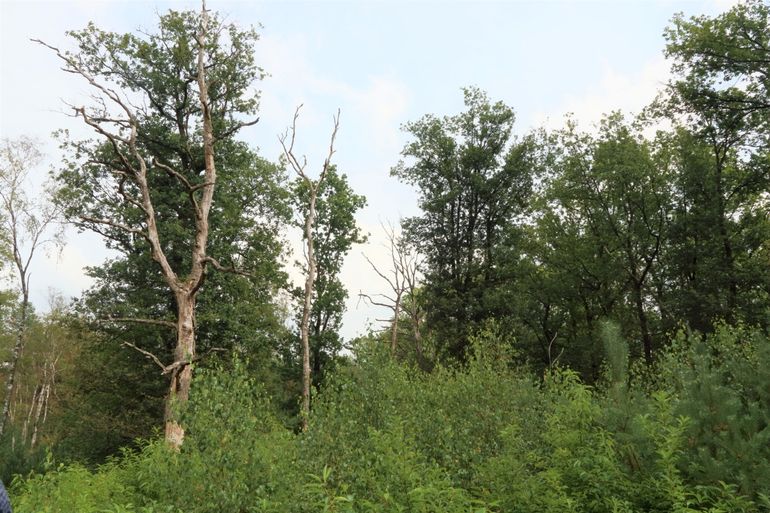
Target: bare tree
x,y
403,280
299,166
118,121
27,226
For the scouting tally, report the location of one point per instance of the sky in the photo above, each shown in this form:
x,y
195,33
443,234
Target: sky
x,y
382,63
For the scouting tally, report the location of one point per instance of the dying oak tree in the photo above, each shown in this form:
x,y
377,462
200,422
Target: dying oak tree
x,y
299,166
27,226
163,105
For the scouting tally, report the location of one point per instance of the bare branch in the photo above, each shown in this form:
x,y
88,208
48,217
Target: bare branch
x,y
328,160
149,355
289,151
154,322
119,226
232,269
238,126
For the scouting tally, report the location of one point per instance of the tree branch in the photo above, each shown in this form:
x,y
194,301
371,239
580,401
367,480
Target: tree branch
x,y
155,322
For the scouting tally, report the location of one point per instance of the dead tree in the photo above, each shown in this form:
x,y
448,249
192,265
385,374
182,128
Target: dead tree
x,y
26,228
402,278
299,166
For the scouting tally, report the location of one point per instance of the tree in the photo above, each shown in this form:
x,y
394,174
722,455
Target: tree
x,y
719,102
402,278
309,222
473,178
165,103
334,233
722,65
617,192
234,312
27,227
713,264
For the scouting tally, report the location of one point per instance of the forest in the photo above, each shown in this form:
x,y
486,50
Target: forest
x,y
578,318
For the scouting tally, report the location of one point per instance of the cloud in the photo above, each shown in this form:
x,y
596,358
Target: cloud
x,y
372,107
627,92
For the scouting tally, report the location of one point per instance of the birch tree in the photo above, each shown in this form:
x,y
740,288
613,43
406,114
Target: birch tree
x,y
27,226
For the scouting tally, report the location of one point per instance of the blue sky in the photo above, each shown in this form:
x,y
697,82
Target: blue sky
x,y
382,63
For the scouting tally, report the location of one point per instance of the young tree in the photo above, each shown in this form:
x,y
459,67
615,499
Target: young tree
x,y
27,226
165,103
313,187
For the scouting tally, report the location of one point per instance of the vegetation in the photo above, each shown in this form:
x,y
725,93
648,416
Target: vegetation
x,y
579,318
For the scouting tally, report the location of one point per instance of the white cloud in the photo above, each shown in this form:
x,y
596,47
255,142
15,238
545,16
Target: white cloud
x,y
629,93
373,109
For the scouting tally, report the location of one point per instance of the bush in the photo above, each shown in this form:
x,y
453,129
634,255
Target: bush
x,y
384,437
720,382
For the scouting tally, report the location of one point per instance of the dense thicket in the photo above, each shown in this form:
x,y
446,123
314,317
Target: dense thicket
x,y
384,437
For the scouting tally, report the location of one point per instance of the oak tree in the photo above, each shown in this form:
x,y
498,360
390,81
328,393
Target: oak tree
x,y
164,105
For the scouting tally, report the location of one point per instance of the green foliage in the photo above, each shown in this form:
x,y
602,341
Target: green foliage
x,y
334,234
250,210
235,453
473,177
542,250
720,65
65,489
17,457
485,438
720,383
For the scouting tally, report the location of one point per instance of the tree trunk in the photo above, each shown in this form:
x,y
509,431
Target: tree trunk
x,y
394,326
643,324
305,328
181,375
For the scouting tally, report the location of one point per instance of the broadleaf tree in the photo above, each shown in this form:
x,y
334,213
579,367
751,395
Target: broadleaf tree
x,y
473,178
165,105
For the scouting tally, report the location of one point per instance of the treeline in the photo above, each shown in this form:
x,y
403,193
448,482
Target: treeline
x,y
579,316
658,222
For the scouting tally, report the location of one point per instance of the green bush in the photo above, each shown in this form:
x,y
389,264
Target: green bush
x,y
73,488
721,383
384,437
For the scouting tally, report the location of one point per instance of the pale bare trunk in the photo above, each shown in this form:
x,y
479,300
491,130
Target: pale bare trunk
x,y
27,422
184,353
305,328
181,376
313,187
42,399
394,326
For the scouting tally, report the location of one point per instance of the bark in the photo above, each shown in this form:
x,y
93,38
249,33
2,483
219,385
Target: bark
x,y
181,376
42,402
134,167
306,307
27,422
643,324
187,291
394,326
